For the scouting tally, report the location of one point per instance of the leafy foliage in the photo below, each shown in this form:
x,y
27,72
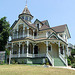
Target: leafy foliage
x,y
73,52
4,33
73,65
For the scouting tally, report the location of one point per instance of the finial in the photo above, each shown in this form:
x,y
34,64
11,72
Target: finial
x,y
26,2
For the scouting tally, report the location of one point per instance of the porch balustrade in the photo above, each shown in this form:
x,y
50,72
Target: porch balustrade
x,y
30,36
40,36
29,55
62,38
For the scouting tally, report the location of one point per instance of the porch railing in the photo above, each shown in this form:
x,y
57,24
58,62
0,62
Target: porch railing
x,y
28,55
64,59
40,36
62,38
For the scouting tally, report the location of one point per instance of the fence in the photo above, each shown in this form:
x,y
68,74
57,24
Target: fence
x,y
2,56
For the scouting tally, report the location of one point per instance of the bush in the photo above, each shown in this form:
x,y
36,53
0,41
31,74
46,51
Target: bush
x,y
69,61
13,61
1,62
73,65
47,62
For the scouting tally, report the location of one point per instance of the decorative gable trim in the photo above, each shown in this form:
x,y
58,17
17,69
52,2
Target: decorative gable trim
x,y
53,36
38,21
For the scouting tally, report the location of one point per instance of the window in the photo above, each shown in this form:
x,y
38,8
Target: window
x,y
26,18
29,18
22,17
38,26
49,48
49,33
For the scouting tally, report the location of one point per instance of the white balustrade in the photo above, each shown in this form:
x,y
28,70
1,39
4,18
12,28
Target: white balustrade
x,y
29,55
62,38
40,36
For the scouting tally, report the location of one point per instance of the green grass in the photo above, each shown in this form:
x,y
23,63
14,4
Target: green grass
x,y
33,70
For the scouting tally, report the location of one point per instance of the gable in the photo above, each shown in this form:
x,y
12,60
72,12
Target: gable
x,y
67,32
18,23
53,36
45,22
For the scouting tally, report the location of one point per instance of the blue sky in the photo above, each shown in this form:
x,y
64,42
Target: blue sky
x,y
57,12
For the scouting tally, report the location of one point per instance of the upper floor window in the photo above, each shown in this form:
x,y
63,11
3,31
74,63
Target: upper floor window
x,y
26,18
29,18
49,33
22,17
49,48
61,35
38,26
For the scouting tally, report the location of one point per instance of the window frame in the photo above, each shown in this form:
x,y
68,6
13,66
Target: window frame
x,y
49,46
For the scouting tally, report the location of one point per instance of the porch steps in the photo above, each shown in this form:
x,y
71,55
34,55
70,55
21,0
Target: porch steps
x,y
58,62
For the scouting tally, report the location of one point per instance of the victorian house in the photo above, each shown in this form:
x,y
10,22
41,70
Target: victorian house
x,y
32,43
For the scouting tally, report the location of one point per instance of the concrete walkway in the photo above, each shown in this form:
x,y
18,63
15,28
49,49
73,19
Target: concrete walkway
x,y
69,67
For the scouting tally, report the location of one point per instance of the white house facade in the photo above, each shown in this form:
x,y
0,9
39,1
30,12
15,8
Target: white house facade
x,y
32,43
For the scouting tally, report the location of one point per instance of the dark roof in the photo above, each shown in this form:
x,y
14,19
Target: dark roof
x,y
14,23
44,27
44,21
60,28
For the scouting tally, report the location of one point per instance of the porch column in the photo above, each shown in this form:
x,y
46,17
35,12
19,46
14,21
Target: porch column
x,y
59,47
63,51
17,31
67,50
46,34
12,48
23,49
27,31
47,46
19,50
13,33
23,31
10,58
33,33
33,48
27,47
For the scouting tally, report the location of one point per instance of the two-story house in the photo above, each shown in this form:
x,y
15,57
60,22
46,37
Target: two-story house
x,y
32,43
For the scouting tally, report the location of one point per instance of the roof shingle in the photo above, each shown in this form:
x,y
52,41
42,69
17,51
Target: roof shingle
x,y
60,28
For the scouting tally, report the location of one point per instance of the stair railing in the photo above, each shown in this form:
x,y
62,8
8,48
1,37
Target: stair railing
x,y
50,58
64,59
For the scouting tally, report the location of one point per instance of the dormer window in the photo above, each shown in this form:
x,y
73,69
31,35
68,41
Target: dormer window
x,y
26,18
38,26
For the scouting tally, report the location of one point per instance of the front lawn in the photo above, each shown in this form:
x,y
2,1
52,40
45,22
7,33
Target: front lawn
x,y
33,70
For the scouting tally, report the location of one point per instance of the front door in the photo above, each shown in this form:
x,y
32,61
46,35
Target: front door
x,y
36,50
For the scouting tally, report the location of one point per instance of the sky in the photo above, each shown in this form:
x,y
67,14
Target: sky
x,y
57,12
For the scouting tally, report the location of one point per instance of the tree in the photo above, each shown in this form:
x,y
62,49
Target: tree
x,y
4,33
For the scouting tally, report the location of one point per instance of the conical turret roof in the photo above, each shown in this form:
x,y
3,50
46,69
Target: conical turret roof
x,y
26,10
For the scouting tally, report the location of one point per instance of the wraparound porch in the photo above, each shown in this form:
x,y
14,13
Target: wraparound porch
x,y
49,49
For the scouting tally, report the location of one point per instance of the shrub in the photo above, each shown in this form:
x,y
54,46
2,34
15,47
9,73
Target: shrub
x,y
1,62
69,61
47,62
13,61
22,61
73,65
